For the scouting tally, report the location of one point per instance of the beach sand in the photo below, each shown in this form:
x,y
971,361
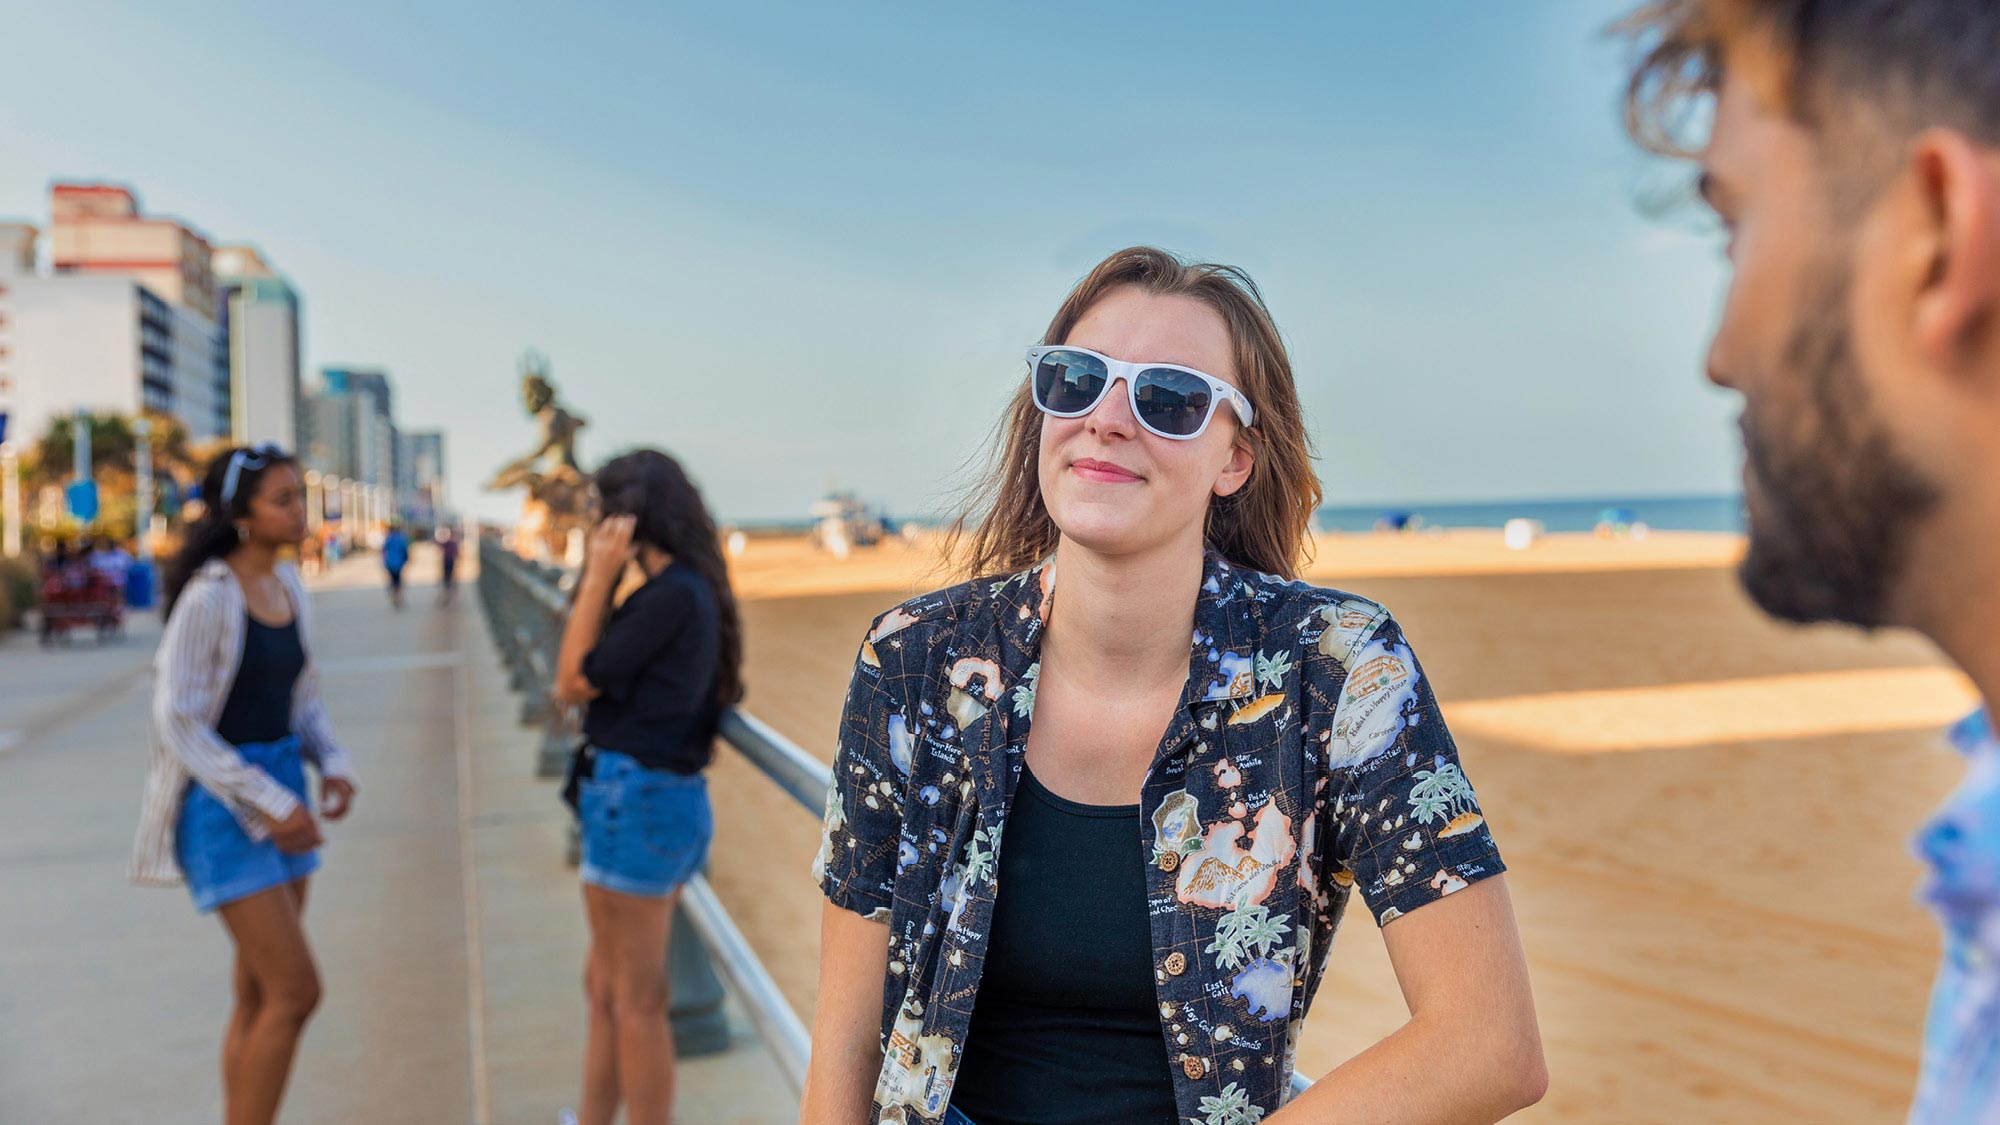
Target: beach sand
x,y
1705,814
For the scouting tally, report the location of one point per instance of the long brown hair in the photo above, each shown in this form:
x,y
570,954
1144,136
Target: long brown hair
x,y
1003,525
669,514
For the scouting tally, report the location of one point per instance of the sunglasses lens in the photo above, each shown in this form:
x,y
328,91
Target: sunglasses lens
x,y
1173,402
1069,382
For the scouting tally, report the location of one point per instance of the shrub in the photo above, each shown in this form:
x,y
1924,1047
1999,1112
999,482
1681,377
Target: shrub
x,y
18,581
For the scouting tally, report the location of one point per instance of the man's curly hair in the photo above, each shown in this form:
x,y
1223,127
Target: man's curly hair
x,y
1894,66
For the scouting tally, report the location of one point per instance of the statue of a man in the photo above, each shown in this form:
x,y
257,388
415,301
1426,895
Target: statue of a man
x,y
555,452
558,489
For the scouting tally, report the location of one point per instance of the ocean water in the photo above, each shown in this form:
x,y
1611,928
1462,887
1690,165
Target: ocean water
x,y
1672,513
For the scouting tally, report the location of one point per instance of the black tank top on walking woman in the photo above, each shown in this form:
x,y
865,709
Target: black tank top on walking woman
x,y
259,707
1066,1026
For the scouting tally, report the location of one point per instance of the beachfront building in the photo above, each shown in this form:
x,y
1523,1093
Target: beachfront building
x,y
17,259
108,345
98,230
352,436
424,503
123,318
259,313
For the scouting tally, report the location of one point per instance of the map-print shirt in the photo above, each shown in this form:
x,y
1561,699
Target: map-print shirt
x,y
1960,1081
1307,758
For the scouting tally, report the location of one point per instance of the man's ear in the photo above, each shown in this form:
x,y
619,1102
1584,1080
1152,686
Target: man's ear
x,y
1956,187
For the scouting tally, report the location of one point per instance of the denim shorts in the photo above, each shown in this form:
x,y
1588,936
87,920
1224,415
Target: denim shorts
x,y
219,860
645,831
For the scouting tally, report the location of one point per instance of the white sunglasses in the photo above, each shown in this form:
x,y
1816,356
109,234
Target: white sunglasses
x,y
1169,400
252,458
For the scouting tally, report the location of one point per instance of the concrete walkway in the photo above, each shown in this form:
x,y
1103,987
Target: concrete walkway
x,y
449,932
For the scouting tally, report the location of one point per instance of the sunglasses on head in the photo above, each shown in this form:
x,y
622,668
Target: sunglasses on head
x,y
1171,401
251,458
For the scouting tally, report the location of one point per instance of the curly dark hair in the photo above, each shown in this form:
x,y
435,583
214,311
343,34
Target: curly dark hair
x,y
213,536
670,515
1898,65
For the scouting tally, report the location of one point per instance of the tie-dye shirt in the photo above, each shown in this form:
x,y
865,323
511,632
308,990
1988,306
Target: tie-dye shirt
x,y
1960,1082
1307,758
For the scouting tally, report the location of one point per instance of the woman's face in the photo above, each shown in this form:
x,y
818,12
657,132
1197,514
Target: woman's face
x,y
1111,485
277,508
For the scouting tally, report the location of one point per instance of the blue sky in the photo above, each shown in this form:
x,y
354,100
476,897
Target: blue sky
x,y
795,244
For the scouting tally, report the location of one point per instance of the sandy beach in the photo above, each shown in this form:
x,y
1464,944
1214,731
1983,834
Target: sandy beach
x,y
1705,814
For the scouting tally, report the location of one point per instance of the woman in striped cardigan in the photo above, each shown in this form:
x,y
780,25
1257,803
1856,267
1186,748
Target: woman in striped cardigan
x,y
236,716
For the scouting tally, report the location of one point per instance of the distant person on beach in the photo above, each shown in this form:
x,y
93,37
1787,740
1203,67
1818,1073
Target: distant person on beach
x,y
448,565
653,676
395,556
1123,913
236,719
1853,157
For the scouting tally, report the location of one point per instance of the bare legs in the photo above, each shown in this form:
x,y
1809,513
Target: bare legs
x,y
628,1055
277,988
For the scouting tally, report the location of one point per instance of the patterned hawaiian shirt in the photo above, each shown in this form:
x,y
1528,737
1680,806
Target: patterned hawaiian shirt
x,y
1307,758
1960,1082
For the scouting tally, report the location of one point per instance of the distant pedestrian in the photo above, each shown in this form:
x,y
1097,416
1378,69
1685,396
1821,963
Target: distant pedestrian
x,y
113,562
56,563
653,677
236,718
448,562
395,556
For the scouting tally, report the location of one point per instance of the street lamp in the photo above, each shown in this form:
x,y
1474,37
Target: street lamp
x,y
142,517
315,512
10,500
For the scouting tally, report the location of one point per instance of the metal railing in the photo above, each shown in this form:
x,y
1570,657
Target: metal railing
x,y
526,604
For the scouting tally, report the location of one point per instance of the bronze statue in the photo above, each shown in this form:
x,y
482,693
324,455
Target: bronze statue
x,y
558,489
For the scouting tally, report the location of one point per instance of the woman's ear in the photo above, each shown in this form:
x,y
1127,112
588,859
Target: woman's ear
x,y
1235,474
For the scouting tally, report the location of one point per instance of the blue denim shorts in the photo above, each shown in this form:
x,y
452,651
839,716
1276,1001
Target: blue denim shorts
x,y
219,860
645,831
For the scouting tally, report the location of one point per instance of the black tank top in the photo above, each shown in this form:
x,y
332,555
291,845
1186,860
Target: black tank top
x,y
1066,1026
259,707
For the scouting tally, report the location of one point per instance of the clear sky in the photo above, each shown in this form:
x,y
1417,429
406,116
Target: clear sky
x,y
802,243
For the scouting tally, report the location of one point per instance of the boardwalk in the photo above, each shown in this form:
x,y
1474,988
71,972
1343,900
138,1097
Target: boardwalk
x,y
448,930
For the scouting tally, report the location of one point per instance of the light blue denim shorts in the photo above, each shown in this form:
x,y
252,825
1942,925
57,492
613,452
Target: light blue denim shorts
x,y
645,832
219,860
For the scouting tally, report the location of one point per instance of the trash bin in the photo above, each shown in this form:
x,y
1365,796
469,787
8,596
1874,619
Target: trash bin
x,y
139,586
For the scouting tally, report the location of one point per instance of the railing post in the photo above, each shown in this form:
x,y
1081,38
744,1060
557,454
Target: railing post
x,y
695,997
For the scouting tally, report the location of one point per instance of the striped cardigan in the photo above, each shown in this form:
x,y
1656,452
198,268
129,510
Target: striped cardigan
x,y
195,667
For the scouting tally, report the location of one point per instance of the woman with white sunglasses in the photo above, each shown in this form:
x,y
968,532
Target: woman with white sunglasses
x,y
1122,912
236,719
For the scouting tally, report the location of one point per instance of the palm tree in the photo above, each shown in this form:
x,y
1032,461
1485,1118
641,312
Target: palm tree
x,y
1271,670
1232,1108
1439,791
1427,805
1245,932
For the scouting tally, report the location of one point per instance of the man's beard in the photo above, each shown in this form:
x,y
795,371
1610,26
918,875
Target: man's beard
x,y
1839,505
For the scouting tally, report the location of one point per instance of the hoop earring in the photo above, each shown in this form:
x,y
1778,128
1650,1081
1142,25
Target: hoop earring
x,y
241,535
